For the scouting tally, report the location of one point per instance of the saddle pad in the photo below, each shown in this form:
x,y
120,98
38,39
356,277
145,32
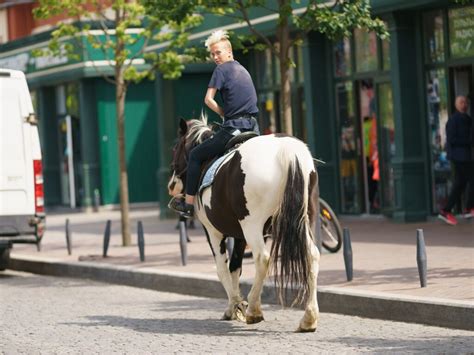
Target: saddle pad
x,y
212,170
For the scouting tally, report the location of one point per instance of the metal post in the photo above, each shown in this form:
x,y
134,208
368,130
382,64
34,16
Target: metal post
x,y
68,238
183,239
141,241
229,243
421,256
106,238
347,254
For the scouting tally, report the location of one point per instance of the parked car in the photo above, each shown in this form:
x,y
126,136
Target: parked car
x,y
22,217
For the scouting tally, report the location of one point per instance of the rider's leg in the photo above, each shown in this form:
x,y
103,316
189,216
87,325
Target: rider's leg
x,y
208,149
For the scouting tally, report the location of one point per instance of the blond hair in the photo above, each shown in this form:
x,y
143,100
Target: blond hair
x,y
216,37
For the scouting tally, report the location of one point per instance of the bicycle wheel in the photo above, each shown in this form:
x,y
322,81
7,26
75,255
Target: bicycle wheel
x,y
331,233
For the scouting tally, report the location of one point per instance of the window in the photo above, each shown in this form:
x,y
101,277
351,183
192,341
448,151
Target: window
x,y
461,32
365,50
434,40
342,57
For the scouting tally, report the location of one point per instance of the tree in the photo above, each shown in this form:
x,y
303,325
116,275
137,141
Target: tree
x,y
122,49
335,19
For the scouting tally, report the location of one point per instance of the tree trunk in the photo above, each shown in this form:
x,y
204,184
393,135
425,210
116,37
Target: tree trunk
x,y
285,85
120,93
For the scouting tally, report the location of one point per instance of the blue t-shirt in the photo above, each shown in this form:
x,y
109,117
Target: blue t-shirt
x,y
235,85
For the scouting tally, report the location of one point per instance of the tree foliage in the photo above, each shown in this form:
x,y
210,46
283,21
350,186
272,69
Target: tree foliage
x,y
125,33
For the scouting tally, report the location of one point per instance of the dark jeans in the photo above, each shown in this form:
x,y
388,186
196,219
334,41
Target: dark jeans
x,y
463,175
208,149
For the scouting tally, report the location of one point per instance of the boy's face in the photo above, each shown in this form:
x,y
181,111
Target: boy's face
x,y
221,52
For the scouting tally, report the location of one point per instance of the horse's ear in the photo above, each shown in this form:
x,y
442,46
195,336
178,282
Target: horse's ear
x,y
183,126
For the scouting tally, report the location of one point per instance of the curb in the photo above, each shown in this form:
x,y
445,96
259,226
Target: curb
x,y
434,312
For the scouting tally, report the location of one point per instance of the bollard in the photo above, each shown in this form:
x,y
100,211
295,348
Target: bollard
x,y
106,238
68,237
347,254
96,200
229,243
141,241
421,256
183,239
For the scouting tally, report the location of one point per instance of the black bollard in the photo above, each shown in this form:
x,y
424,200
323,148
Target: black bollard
x,y
421,256
183,239
141,241
68,237
347,254
106,238
229,243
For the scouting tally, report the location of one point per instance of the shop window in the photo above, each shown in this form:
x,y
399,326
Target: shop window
x,y
351,192
264,68
461,31
387,142
385,55
434,40
268,116
342,57
436,92
300,64
365,50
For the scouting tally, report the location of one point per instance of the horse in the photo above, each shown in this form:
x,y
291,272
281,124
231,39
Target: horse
x,y
269,185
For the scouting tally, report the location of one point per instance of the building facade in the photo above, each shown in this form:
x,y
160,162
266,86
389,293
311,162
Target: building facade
x,y
374,111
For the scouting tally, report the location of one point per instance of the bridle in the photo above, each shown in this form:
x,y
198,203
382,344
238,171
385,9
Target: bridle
x,y
173,164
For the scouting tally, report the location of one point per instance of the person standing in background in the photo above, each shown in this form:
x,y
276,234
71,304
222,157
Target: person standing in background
x,y
460,149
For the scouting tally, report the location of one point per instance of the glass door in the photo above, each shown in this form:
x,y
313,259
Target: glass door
x,y
368,123
387,147
351,168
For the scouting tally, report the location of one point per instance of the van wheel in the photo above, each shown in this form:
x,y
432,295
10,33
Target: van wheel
x,y
4,258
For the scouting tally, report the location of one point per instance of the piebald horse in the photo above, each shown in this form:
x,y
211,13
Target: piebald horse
x,y
268,186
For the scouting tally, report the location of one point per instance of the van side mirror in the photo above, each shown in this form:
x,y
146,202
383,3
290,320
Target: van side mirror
x,y
31,119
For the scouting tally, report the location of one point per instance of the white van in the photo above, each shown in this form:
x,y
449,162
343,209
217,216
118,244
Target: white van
x,y
21,179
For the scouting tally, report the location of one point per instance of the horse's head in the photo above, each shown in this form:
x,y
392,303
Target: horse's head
x,y
190,134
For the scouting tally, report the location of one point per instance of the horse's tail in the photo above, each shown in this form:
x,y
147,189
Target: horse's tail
x,y
292,223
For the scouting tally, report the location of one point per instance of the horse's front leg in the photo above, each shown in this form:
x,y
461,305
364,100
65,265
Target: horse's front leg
x,y
261,258
235,268
236,305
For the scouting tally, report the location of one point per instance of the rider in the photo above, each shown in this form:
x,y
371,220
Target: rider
x,y
239,110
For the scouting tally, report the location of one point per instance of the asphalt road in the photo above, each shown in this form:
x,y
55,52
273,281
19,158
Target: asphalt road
x,y
42,314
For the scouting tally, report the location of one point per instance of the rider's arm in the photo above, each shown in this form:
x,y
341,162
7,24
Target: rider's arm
x,y
211,103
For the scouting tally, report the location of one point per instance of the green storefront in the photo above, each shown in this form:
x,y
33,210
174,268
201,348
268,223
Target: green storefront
x,y
369,108
379,108
373,110
76,111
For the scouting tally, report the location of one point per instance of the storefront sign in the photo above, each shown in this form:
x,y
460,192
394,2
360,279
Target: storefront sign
x,y
461,31
28,63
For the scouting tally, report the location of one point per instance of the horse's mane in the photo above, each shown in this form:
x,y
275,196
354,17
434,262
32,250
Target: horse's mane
x,y
198,130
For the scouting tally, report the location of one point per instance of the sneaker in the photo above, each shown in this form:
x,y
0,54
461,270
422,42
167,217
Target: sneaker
x,y
448,218
184,209
469,213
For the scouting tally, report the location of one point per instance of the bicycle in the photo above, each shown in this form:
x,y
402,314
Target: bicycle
x,y
331,231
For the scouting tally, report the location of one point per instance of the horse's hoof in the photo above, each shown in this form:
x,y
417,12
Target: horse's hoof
x,y
226,316
254,319
309,330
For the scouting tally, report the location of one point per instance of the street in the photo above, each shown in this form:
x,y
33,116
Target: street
x,y
43,314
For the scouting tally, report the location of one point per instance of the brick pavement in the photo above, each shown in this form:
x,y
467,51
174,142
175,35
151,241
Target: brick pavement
x,y
384,253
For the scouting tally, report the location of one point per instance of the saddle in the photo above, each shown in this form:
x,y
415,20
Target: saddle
x,y
230,148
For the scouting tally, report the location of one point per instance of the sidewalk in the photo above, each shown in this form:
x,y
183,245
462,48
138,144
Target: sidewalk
x,y
385,285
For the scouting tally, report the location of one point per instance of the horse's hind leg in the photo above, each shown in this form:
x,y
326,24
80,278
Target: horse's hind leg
x,y
236,305
261,258
309,321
